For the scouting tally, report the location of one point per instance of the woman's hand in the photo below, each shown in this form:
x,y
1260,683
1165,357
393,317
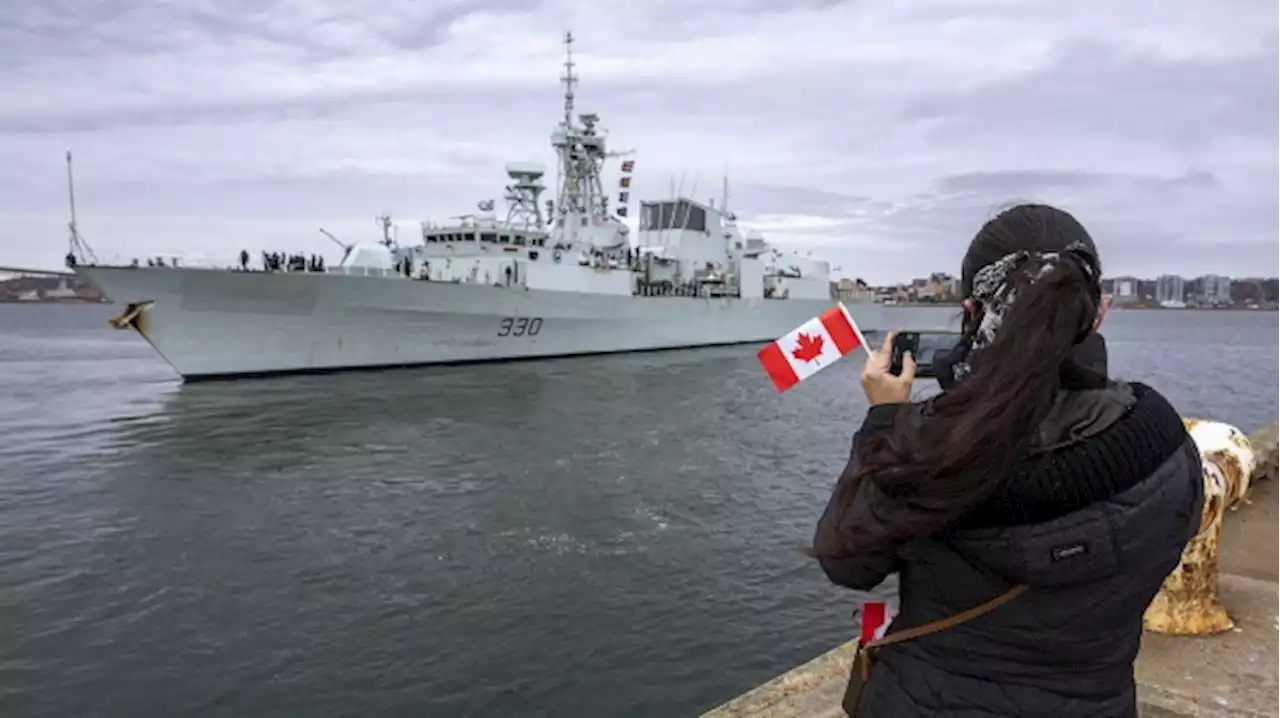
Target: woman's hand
x,y
879,385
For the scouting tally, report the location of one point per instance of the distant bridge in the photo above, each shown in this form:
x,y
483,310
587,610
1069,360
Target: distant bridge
x,y
36,272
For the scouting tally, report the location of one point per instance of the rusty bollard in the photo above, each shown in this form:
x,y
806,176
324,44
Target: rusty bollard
x,y
1187,604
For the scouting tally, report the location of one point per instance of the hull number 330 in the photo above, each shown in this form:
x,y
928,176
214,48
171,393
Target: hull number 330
x,y
520,326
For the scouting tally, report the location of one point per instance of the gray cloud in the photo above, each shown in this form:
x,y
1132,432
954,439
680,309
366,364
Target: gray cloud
x,y
1093,88
879,135
1041,180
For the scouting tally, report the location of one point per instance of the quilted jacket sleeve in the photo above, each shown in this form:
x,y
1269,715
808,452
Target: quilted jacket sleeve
x,y
861,571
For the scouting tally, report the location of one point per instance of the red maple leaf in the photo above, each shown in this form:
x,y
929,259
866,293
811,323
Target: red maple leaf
x,y
807,348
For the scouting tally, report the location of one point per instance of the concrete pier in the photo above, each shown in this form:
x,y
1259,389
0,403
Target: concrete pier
x,y
1231,674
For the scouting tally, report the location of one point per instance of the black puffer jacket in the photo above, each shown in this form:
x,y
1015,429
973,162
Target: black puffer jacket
x,y
1093,533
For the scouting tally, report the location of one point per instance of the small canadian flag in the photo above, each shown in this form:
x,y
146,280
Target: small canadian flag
x,y
875,621
811,347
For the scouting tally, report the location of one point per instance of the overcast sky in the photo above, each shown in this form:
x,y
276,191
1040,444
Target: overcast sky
x,y
878,135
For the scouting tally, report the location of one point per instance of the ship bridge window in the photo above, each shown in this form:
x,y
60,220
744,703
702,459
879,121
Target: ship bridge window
x,y
504,239
488,237
672,215
518,239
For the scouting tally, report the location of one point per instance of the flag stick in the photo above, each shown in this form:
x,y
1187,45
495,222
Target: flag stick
x,y
862,341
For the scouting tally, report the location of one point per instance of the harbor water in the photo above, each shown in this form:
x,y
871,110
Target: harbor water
x,y
604,536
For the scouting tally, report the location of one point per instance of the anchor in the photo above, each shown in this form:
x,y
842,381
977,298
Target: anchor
x,y
129,317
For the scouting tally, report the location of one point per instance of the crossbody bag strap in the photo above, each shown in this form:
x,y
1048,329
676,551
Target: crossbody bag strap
x,y
943,624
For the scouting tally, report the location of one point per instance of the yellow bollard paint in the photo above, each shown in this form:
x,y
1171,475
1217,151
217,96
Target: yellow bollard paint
x,y
1187,604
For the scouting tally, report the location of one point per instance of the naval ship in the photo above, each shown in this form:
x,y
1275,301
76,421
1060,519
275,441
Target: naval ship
x,y
543,280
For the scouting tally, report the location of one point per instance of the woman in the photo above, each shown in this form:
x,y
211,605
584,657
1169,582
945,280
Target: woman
x,y
1030,468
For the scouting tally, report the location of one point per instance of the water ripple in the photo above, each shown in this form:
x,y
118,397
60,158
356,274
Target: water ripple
x,y
596,536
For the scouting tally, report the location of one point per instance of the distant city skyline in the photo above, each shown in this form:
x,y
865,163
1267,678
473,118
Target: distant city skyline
x,y
1105,278
1216,291
1205,291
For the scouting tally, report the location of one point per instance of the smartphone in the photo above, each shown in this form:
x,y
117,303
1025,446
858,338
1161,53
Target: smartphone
x,y
924,346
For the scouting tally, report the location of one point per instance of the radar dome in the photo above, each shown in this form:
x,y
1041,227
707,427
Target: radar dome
x,y
531,169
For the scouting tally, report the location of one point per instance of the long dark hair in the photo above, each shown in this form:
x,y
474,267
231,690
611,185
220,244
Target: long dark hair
x,y
936,464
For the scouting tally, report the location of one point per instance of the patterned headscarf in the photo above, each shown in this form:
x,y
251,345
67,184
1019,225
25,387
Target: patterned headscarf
x,y
996,287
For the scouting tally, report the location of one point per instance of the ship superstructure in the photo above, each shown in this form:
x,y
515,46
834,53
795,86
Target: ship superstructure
x,y
538,278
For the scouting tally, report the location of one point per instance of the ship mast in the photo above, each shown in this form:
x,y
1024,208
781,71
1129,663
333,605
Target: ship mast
x,y
569,79
724,193
77,249
565,140
582,152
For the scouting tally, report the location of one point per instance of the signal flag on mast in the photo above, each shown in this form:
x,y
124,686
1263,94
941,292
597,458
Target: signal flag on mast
x,y
624,182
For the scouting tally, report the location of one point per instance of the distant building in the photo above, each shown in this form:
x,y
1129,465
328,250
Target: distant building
x,y
853,290
62,291
896,294
45,287
1214,289
1170,290
946,288
920,289
1124,290
937,287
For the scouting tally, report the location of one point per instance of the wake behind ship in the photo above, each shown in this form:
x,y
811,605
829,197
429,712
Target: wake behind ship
x,y
570,281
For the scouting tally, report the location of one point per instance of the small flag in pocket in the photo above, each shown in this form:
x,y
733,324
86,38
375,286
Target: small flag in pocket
x,y
875,621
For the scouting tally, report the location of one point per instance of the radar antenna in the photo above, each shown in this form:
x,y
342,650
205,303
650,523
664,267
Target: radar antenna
x,y
384,222
524,195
